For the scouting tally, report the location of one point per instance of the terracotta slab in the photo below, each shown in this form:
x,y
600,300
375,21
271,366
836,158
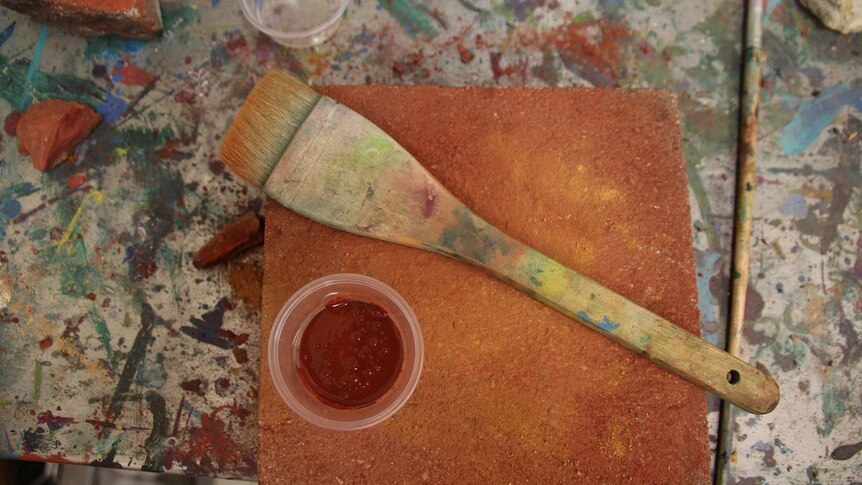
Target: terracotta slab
x,y
513,391
140,19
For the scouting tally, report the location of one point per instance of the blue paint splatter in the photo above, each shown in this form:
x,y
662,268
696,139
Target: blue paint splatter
x,y
130,253
112,108
815,115
7,32
25,99
606,324
794,206
208,328
12,208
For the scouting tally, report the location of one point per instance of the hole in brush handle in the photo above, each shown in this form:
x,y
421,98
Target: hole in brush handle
x,y
733,377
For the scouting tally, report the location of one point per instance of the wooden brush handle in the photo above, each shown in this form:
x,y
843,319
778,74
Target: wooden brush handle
x,y
345,172
627,323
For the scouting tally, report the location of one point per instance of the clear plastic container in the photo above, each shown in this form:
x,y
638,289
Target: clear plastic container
x,y
286,335
295,23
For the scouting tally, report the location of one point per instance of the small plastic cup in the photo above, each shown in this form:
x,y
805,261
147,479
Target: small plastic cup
x,y
286,335
295,23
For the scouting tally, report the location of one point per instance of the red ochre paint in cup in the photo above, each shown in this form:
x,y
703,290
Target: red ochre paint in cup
x,y
350,353
345,352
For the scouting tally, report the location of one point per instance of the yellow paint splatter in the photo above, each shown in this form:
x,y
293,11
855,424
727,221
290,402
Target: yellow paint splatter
x,y
583,253
607,194
814,312
93,198
5,293
616,433
69,348
823,194
554,280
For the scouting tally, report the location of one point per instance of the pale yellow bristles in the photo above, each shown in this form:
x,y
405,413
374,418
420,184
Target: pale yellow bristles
x,y
264,126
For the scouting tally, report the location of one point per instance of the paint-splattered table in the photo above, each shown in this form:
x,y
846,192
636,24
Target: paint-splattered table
x,y
114,350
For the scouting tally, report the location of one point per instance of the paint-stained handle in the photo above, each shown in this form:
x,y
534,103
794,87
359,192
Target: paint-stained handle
x,y
345,172
629,324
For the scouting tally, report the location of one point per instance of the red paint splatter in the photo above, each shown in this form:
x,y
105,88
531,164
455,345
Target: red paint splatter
x,y
54,422
76,181
234,339
236,44
240,355
210,450
498,70
55,458
465,53
765,83
194,386
185,97
596,58
168,150
216,167
146,269
91,296
411,64
223,382
134,75
10,125
495,64
45,343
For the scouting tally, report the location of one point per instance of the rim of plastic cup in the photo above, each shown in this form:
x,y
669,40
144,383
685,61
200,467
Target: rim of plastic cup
x,y
276,372
296,34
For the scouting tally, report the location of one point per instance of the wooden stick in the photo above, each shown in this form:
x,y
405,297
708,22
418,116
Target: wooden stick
x,y
743,215
343,171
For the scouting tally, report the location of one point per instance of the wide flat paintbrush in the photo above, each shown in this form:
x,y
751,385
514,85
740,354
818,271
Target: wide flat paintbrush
x,y
330,164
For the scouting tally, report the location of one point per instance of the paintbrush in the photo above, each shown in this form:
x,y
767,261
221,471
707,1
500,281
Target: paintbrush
x,y
328,163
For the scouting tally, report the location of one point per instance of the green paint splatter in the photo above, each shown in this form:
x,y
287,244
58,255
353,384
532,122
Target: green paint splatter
x,y
168,258
178,15
370,151
411,15
833,409
44,85
77,275
101,327
583,17
37,381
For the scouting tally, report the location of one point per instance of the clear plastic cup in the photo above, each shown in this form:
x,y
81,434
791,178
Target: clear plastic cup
x,y
286,335
295,23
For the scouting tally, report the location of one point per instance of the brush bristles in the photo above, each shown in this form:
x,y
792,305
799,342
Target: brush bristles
x,y
264,126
